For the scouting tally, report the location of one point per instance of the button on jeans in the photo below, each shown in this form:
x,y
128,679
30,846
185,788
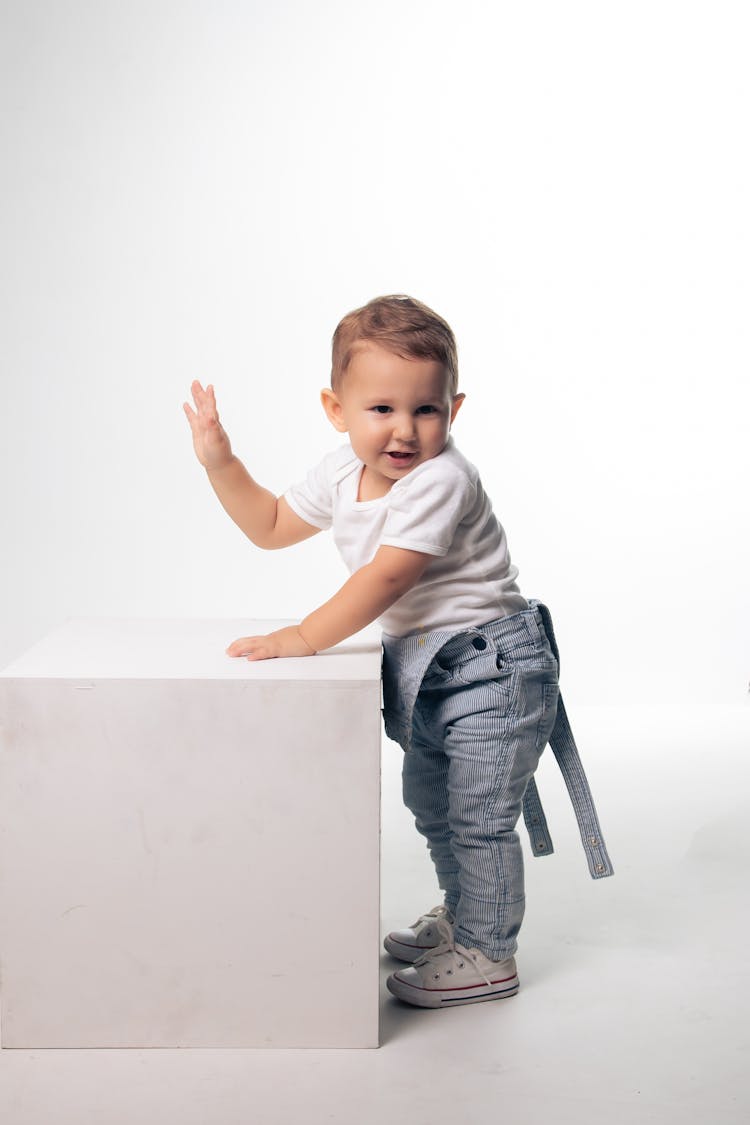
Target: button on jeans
x,y
485,711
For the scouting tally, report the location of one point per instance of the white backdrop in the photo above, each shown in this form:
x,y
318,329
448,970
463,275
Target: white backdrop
x,y
202,189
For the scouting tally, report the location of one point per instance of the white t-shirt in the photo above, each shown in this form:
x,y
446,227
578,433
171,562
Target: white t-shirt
x,y
440,509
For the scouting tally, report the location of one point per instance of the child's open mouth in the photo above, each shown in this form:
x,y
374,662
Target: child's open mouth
x,y
400,458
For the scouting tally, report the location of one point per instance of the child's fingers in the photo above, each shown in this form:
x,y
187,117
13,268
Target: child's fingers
x,y
193,421
203,399
243,645
200,423
252,648
205,414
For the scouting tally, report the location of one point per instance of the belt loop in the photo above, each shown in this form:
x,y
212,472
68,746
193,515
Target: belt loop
x,y
546,617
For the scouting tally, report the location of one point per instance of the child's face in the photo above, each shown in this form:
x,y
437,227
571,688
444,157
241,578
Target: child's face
x,y
397,411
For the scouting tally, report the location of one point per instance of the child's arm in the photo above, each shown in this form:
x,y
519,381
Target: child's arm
x,y
369,592
269,522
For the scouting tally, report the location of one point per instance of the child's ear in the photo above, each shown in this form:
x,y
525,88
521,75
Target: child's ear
x,y
457,402
334,410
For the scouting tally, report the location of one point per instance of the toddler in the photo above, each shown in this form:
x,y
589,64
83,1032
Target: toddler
x,y
470,667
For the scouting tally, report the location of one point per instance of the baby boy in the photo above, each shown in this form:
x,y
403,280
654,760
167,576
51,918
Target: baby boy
x,y
470,666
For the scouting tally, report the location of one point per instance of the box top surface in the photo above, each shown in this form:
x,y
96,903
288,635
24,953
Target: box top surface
x,y
172,649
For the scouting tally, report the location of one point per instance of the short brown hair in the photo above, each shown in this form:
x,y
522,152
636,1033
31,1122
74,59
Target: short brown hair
x,y
401,325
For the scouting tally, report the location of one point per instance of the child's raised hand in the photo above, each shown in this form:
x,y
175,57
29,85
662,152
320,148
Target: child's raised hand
x,y
210,441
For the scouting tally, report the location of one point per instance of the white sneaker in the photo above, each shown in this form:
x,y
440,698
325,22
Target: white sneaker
x,y
421,936
451,975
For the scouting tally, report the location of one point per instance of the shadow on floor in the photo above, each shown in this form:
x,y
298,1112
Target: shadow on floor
x,y
397,1019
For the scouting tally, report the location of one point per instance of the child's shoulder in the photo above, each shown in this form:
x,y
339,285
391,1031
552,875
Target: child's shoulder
x,y
449,467
456,463
339,463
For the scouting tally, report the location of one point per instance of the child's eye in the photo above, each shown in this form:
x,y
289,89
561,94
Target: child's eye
x,y
382,409
426,409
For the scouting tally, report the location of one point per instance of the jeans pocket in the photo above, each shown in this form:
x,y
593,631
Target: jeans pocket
x,y
493,677
502,685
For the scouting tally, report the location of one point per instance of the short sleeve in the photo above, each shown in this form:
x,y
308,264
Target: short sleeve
x,y
426,509
312,499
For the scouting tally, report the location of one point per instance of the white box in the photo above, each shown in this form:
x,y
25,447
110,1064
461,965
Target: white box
x,y
189,843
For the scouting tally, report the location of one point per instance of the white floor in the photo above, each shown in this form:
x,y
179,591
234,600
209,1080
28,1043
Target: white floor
x,y
634,998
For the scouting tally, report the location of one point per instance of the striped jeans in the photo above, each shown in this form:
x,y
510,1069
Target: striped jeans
x,y
487,704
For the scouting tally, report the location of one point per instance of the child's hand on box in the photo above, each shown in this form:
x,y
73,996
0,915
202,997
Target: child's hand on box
x,y
210,441
284,642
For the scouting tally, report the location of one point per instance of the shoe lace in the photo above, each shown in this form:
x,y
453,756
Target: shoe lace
x,y
458,955
436,912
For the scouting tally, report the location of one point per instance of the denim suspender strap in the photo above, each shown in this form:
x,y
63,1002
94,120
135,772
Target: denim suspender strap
x,y
565,751
535,821
566,754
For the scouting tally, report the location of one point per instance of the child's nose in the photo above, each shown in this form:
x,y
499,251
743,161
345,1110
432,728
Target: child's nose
x,y
404,428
